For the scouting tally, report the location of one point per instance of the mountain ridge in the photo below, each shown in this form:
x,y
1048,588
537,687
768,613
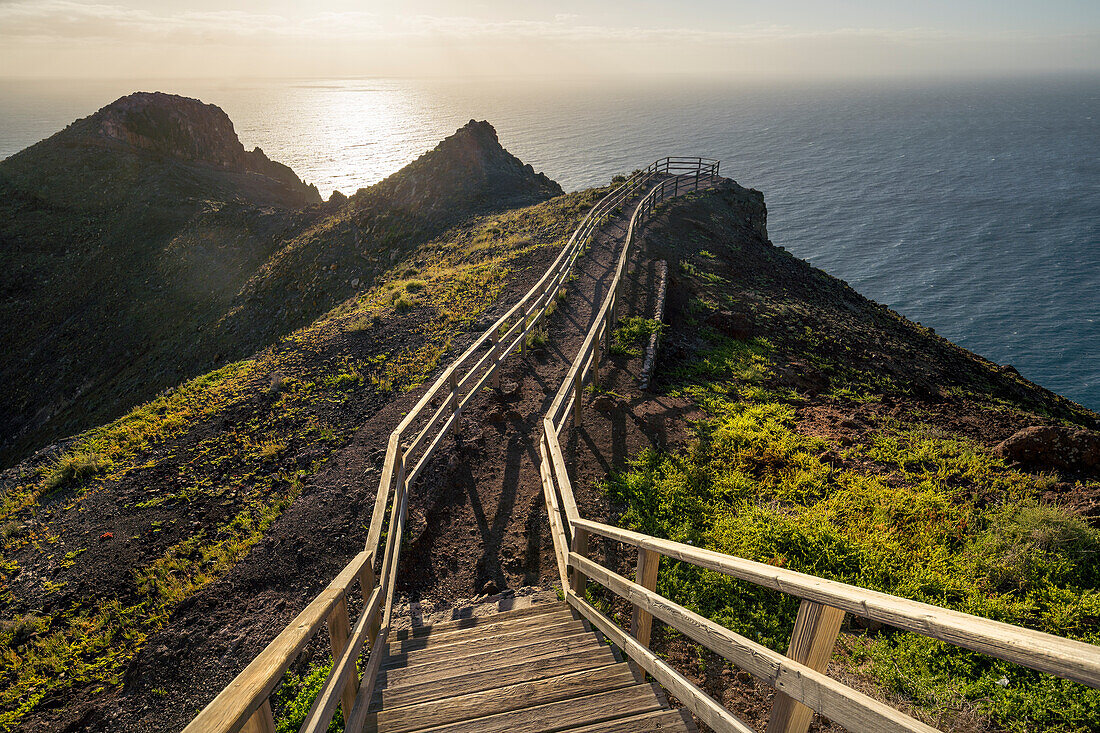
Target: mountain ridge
x,y
143,244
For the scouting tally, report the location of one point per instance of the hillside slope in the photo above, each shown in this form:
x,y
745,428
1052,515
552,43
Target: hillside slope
x,y
152,557
793,421
143,245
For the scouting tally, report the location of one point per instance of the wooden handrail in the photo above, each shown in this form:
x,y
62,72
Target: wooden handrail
x,y
853,710
823,600
242,697
459,383
1072,660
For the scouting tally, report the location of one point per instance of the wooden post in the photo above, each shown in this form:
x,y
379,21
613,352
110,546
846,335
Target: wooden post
x,y
641,621
262,721
495,366
580,546
367,581
578,394
596,361
338,629
815,632
452,380
607,331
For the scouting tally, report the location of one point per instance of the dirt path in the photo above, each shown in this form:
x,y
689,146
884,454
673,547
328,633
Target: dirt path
x,y
478,523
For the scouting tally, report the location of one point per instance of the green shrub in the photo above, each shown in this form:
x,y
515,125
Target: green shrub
x,y
74,467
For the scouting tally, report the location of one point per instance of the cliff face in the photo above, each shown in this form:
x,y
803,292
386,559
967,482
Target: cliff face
x,y
143,244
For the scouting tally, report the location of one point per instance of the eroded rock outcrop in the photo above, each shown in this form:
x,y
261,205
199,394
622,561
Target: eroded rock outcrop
x,y
1050,446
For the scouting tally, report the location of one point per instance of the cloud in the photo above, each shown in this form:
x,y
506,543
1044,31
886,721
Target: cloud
x,y
67,19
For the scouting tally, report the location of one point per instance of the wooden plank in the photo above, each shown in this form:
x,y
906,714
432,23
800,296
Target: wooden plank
x,y
580,547
339,627
414,651
343,673
709,710
381,499
262,721
559,537
1074,660
558,619
641,622
564,714
660,721
815,630
354,722
513,670
832,699
561,473
481,661
512,615
235,704
500,700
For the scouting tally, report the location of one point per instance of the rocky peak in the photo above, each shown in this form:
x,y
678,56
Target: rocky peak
x,y
169,125
466,169
165,131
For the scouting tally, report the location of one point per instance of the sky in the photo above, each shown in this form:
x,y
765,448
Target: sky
x,y
720,38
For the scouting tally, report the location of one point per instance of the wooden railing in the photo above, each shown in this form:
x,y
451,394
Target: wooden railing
x,y
798,676
244,703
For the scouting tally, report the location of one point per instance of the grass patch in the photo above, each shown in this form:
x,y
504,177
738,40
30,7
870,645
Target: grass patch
x,y
296,695
633,334
74,468
927,516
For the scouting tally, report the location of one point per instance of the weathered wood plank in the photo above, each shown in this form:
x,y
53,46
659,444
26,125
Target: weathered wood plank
x,y
512,670
1073,660
641,622
262,721
580,547
815,630
842,704
661,721
709,710
561,715
535,613
481,661
453,644
339,628
500,699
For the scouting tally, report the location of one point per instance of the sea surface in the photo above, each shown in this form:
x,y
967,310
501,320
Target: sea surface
x,y
972,207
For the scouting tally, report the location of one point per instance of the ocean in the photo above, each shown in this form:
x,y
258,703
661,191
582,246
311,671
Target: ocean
x,y
972,207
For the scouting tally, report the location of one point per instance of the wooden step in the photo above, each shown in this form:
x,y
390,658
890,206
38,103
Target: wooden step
x,y
486,660
502,700
464,647
515,616
513,669
660,721
433,642
589,710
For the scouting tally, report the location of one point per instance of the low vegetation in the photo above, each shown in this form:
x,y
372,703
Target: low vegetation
x,y
899,504
197,476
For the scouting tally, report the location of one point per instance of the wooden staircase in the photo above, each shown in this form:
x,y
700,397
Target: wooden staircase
x,y
535,669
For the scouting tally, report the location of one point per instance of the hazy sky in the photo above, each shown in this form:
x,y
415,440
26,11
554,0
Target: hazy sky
x,y
208,38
